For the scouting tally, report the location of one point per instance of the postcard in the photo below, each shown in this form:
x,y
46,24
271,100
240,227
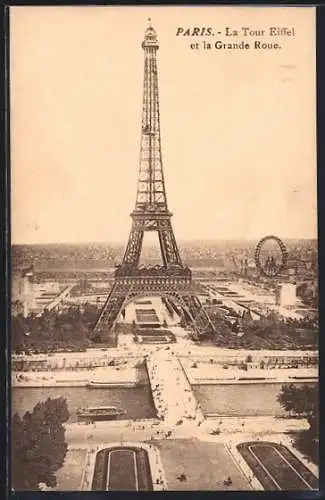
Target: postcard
x,y
164,281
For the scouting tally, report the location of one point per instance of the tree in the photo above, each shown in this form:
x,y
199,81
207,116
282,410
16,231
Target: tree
x,y
38,444
307,445
302,401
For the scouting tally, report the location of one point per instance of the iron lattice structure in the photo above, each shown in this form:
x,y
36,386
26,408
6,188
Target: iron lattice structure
x,y
172,280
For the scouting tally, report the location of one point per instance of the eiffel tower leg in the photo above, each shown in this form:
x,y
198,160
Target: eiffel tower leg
x,y
185,311
168,246
200,319
133,249
103,331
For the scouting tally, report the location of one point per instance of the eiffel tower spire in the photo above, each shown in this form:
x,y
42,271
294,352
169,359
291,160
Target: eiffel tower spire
x,y
151,195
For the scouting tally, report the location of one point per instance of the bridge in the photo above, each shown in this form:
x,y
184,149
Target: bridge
x,y
171,390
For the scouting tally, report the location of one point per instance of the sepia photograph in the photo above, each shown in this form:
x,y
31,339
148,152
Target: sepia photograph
x,y
164,253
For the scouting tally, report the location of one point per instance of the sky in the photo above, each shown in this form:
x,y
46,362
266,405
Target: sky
x,y
238,128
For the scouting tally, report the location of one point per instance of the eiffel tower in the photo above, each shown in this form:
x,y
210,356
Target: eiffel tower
x,y
172,280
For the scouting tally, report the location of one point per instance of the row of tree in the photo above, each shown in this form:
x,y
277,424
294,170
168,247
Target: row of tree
x,y
286,334
269,332
69,329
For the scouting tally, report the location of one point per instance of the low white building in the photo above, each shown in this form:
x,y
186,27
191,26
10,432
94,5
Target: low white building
x,y
286,295
23,290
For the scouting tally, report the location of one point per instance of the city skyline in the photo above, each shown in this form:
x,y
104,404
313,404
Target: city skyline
x,y
76,104
152,244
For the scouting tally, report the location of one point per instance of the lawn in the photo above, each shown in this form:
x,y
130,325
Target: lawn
x,y
277,468
70,475
205,466
123,473
128,470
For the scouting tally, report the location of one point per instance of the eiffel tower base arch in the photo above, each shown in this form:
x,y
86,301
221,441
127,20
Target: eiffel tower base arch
x,y
177,290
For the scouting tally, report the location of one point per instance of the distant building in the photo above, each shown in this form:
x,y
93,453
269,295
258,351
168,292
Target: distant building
x,y
27,296
49,296
286,295
23,291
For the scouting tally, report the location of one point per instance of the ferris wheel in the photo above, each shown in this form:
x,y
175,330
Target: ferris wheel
x,y
271,256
